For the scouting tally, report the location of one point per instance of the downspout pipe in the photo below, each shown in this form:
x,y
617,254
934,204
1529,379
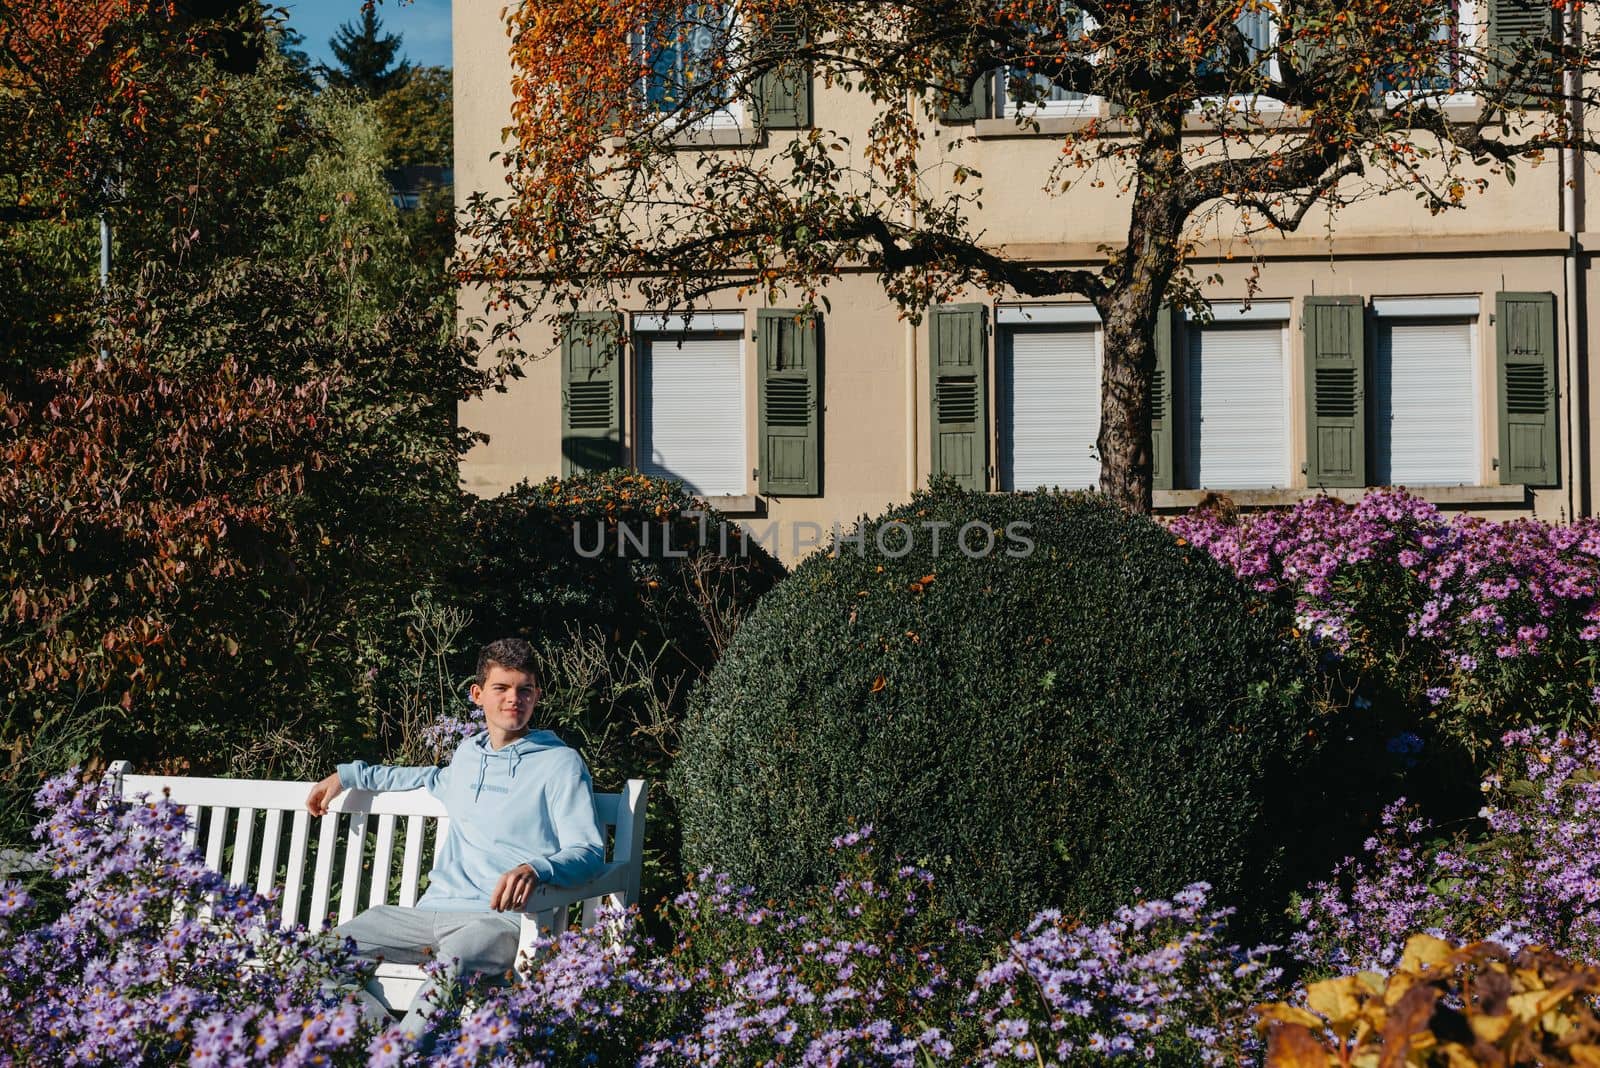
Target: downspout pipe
x,y
1572,298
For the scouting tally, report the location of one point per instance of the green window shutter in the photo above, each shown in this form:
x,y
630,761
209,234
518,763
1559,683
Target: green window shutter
x,y
1525,347
591,392
789,384
1162,425
977,104
784,92
1336,390
1515,27
958,393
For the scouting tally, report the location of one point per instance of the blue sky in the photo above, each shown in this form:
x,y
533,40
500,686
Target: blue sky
x,y
423,24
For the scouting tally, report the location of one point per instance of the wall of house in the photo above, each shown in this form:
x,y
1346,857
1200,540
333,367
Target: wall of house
x,y
876,380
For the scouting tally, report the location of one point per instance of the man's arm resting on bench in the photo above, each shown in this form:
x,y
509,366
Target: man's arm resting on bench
x,y
359,775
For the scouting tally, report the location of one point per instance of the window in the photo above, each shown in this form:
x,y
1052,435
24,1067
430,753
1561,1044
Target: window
x,y
1424,393
1439,68
1035,95
682,56
1048,398
691,412
1236,413
1260,32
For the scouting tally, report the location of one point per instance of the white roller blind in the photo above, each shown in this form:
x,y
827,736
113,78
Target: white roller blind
x,y
1425,407
691,412
1049,409
1238,408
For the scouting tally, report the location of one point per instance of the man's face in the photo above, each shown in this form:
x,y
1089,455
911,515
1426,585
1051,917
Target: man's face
x,y
507,697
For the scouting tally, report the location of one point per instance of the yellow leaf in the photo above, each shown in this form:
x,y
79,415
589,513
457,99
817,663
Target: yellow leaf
x,y
1458,1056
1584,1055
1490,1028
1373,981
1399,983
1425,951
1294,1046
1285,1013
1525,1007
1337,999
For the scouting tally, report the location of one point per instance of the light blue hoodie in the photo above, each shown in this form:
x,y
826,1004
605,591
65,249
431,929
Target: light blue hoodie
x,y
530,802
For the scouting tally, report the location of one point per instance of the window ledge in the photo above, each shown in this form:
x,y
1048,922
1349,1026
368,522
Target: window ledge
x,y
1446,496
701,137
738,504
1457,109
1043,126
728,136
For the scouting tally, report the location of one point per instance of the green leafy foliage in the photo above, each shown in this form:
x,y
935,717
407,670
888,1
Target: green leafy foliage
x,y
617,551
226,514
1087,712
417,120
229,473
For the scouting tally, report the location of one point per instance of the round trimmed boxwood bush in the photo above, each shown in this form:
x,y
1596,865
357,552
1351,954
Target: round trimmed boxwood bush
x,y
1089,711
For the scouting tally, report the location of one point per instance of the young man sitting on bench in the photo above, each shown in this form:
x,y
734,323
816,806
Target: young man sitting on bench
x,y
521,810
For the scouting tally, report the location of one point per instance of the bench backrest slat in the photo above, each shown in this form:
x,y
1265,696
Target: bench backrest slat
x,y
411,867
214,837
213,803
267,871
355,845
382,854
322,881
299,834
243,835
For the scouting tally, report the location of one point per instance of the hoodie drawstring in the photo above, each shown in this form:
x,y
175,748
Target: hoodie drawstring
x,y
483,768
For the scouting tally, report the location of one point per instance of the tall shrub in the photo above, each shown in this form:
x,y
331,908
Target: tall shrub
x,y
636,557
1089,711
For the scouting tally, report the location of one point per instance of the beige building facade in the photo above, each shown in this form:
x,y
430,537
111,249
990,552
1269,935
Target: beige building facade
x,y
1447,353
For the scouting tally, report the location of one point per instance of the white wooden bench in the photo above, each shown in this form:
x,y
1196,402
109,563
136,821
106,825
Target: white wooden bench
x,y
269,828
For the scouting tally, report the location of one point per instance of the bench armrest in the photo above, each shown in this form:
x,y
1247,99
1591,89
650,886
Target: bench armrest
x,y
613,879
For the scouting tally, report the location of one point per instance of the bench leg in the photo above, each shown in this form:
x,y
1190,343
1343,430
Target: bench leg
x,y
534,939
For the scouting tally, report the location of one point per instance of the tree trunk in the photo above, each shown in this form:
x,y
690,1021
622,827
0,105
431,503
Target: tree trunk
x,y
1129,310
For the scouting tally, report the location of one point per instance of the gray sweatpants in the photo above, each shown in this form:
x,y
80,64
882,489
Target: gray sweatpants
x,y
464,941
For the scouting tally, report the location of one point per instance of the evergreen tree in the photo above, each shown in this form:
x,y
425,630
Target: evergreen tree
x,y
290,44
366,57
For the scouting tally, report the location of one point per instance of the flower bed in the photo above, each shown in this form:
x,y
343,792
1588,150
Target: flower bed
x,y
1531,875
864,972
94,969
1475,626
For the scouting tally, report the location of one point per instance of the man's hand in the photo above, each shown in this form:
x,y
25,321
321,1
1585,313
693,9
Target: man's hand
x,y
513,889
325,791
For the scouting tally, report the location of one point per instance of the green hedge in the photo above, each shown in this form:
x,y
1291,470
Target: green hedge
x,y
612,551
1100,713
